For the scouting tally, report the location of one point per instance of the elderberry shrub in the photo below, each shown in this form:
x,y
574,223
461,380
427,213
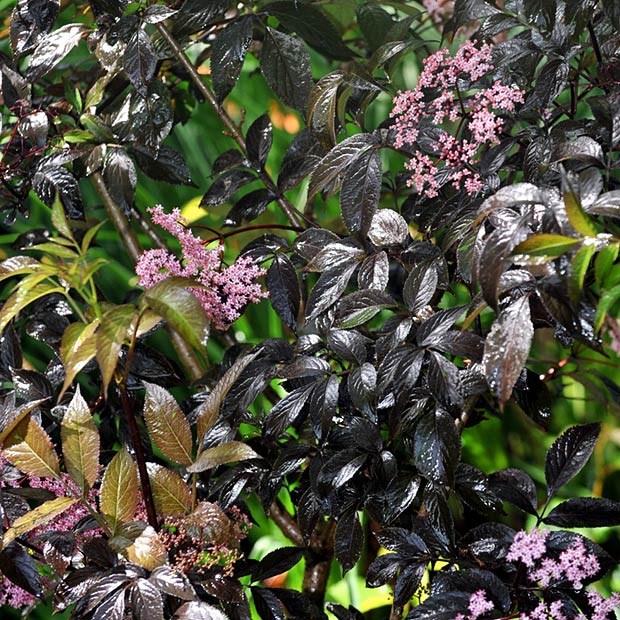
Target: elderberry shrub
x,y
415,228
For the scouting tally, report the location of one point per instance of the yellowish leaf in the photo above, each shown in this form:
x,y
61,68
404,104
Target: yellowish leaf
x,y
139,543
30,449
170,493
224,453
39,516
119,490
77,347
80,443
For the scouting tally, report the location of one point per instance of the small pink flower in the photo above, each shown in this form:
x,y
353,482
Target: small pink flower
x,y
528,547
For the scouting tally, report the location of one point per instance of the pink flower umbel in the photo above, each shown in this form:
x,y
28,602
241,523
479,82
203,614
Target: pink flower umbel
x,y
228,289
448,91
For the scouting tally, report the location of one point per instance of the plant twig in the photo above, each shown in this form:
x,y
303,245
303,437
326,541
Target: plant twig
x,y
292,215
145,482
318,561
286,523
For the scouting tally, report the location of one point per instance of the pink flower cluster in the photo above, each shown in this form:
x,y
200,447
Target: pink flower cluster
x,y
575,564
478,606
437,99
227,289
67,520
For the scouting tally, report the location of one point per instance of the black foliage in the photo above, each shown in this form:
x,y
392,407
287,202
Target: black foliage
x,y
408,315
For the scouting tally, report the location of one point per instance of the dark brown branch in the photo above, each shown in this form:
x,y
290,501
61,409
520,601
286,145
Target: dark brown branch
x,y
318,562
145,482
286,523
292,215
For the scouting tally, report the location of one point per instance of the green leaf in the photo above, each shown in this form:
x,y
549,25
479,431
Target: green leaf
x,y
59,219
119,490
24,296
170,493
167,425
604,262
578,270
114,330
56,249
173,300
578,218
35,518
30,449
546,244
89,235
224,453
18,265
80,443
607,300
77,347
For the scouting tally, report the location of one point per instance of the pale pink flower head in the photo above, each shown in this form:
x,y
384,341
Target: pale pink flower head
x,y
439,99
227,289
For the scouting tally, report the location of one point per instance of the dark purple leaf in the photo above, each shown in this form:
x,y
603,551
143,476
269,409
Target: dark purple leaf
x,y
328,289
348,540
568,454
286,411
19,566
300,158
443,381
361,189
420,286
507,347
408,582
146,601
140,60
120,177
52,48
258,141
229,51
516,487
285,64
312,25
434,328
443,607
283,287
168,166
585,512
49,180
382,570
276,562
225,186
437,446
268,605
249,206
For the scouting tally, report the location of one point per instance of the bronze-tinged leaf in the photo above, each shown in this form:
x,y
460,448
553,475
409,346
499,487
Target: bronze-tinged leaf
x,y
80,443
170,493
224,453
77,347
168,426
113,332
210,408
119,490
18,265
30,449
39,516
